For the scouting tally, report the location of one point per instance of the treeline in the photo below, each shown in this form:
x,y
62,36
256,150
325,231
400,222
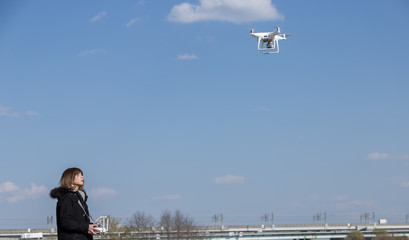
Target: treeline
x,y
176,225
380,234
172,225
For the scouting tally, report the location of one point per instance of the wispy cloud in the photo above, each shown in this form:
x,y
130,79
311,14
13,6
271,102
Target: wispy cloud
x,y
132,22
98,17
187,56
167,197
97,193
11,193
9,112
402,157
236,11
378,156
386,156
8,187
405,184
32,113
90,52
229,179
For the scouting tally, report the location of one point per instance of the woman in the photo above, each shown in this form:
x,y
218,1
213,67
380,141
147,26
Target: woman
x,y
73,219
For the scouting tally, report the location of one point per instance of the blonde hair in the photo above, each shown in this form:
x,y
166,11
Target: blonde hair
x,y
68,176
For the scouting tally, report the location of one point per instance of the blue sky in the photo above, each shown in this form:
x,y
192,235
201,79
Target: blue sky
x,y
169,105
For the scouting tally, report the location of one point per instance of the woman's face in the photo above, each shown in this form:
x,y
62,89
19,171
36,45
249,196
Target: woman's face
x,y
78,181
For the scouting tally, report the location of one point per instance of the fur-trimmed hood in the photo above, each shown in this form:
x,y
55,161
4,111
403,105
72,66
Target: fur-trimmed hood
x,y
60,192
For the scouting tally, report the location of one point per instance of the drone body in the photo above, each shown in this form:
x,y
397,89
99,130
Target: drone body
x,y
271,38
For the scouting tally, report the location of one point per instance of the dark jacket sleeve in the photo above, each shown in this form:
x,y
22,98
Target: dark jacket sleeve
x,y
71,215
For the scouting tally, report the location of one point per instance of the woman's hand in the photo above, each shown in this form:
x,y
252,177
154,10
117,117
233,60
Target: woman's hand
x,y
92,230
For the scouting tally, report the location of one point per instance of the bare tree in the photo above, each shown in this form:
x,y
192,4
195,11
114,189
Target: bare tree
x,y
177,224
114,224
141,223
166,222
188,227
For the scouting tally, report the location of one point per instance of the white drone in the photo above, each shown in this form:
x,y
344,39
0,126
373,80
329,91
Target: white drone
x,y
271,38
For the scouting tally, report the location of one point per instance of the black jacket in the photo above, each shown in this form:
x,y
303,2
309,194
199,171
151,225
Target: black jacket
x,y
72,221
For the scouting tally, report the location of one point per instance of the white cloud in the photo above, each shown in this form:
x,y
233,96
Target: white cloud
x,y
8,187
378,156
229,179
98,17
132,22
236,11
8,112
35,190
92,52
386,156
102,192
13,193
187,56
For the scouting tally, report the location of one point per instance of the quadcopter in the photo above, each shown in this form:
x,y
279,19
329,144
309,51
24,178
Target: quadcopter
x,y
271,38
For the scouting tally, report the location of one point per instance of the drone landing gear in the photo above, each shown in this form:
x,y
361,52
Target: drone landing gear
x,y
265,52
271,46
